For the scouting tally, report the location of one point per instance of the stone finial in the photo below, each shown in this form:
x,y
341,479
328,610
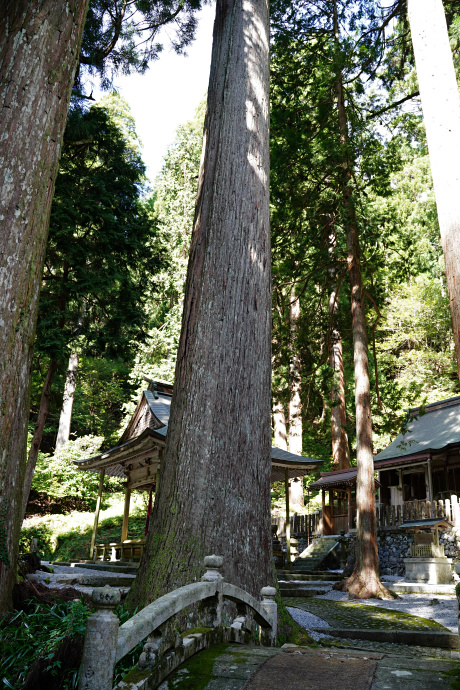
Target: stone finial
x,y
268,593
268,637
106,597
213,565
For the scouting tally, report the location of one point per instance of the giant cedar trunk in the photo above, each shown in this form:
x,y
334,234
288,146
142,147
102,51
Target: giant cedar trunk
x,y
214,494
39,47
364,581
441,115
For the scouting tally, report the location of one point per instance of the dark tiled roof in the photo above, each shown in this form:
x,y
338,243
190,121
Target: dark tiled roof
x,y
434,430
329,480
160,404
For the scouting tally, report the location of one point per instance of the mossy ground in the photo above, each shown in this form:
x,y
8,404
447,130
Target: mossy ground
x,y
348,614
198,671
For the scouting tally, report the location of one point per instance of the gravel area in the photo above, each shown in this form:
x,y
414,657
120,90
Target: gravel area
x,y
309,621
441,608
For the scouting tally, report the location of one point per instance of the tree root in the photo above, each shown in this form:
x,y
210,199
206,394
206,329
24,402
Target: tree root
x,y
363,585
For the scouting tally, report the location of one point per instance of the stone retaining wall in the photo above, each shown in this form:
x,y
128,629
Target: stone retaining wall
x,y
394,546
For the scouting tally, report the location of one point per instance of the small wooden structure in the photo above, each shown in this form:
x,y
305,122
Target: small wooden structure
x,y
426,537
340,514
139,457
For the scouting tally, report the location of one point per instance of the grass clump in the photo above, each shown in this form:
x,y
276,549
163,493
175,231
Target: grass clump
x,y
42,647
44,643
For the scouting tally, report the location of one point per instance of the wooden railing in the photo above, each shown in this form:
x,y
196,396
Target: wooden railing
x,y
129,550
392,516
165,649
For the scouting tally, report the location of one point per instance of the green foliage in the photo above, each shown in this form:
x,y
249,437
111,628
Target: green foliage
x,y
101,252
28,637
102,390
57,475
39,634
116,40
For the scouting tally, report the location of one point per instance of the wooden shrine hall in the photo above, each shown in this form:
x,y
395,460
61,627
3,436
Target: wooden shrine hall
x,y
139,456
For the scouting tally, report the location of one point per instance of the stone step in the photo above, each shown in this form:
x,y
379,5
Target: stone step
x,y
126,568
297,589
308,577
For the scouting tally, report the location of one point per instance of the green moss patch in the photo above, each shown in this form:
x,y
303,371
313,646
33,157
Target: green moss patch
x,y
197,671
352,615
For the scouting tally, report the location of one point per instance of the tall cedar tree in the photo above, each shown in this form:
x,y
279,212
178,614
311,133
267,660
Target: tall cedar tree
x,y
39,49
40,44
311,32
441,115
214,494
101,254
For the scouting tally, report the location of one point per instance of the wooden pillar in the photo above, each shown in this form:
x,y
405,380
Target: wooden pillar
x,y
96,514
288,519
158,475
323,505
124,529
331,510
350,509
430,480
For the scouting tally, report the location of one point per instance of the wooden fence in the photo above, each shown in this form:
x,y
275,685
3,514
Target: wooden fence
x,y
305,526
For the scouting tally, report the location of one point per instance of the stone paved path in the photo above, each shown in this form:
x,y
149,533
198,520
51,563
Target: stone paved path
x,y
233,667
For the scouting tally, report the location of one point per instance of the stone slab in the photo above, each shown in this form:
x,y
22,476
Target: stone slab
x,y
96,580
131,568
429,570
413,674
421,638
305,669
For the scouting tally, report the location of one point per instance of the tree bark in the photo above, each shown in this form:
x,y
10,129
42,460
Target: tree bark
x,y
217,455
364,582
38,432
65,418
279,424
441,115
295,404
39,48
340,451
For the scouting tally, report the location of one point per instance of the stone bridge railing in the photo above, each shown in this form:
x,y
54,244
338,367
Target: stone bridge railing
x,y
165,649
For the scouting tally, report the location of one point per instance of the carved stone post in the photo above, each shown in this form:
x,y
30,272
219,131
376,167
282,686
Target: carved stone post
x,y
343,549
211,609
268,637
100,646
